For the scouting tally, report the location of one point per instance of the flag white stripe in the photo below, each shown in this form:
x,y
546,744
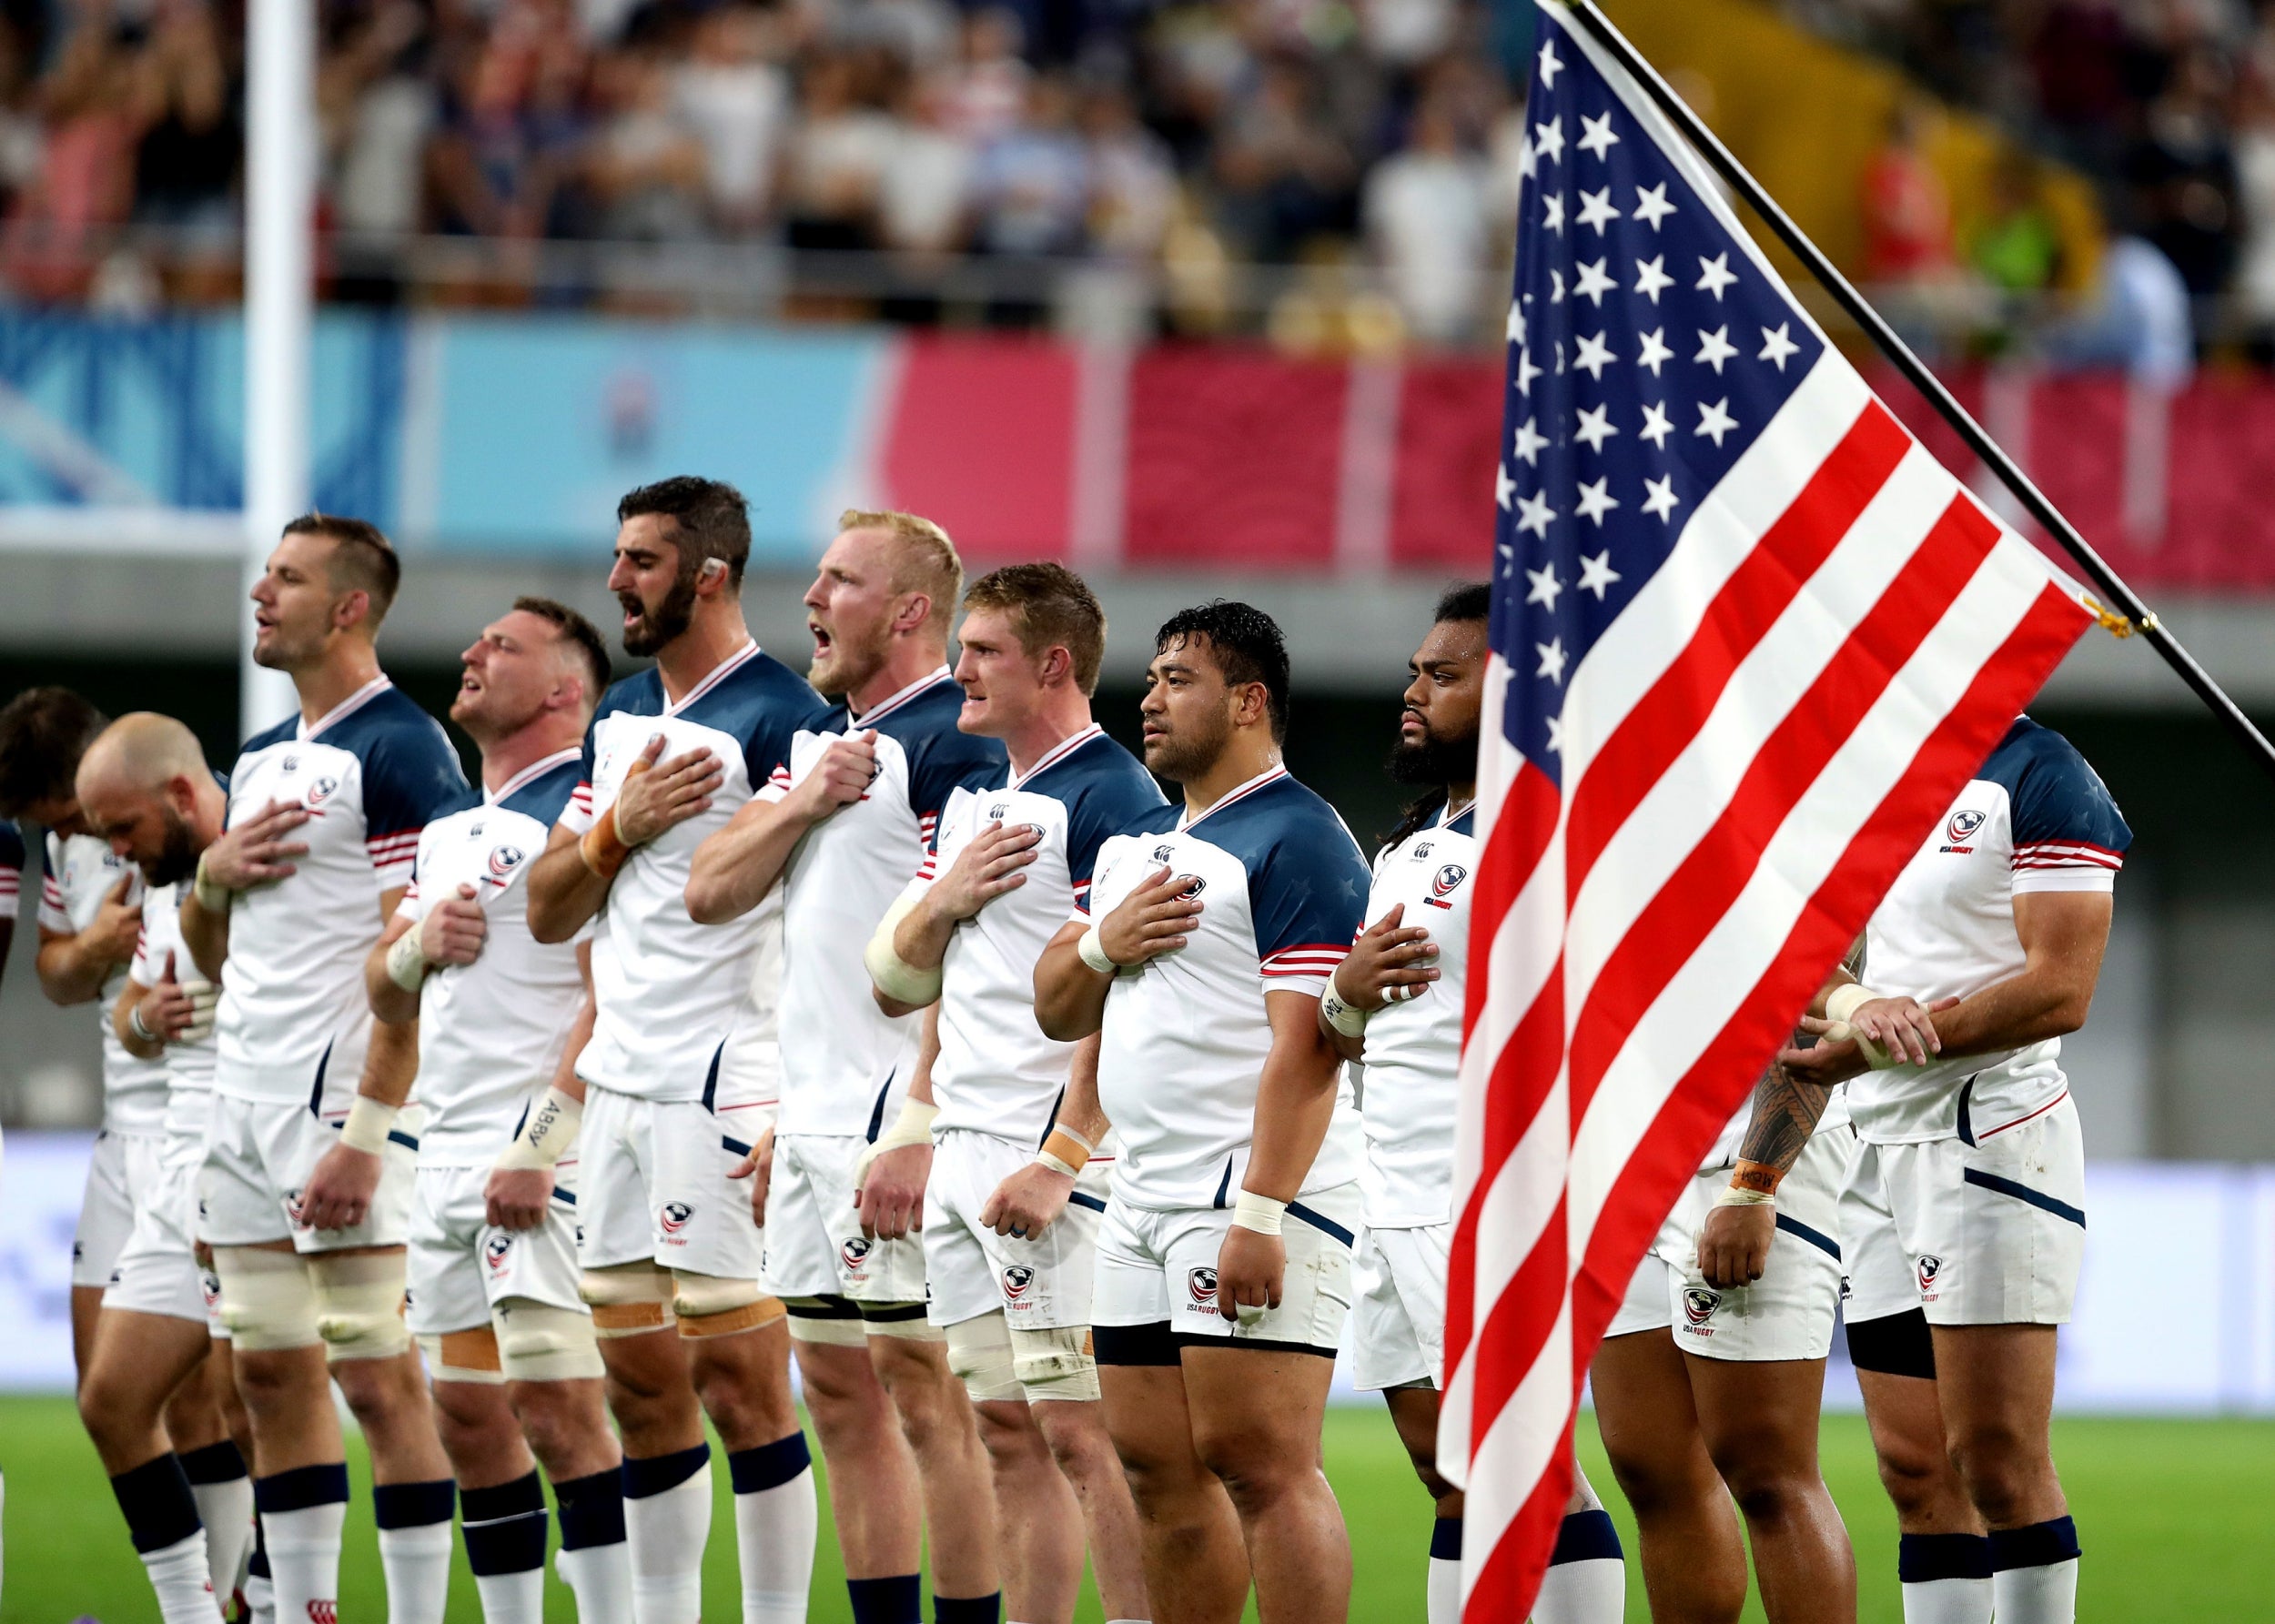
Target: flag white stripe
x,y
1519,1446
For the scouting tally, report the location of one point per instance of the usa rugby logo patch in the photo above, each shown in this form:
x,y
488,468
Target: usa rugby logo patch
x,y
1201,1284
1961,829
1016,1278
1930,1271
673,1216
855,1251
1699,1304
320,790
496,1250
1444,884
504,861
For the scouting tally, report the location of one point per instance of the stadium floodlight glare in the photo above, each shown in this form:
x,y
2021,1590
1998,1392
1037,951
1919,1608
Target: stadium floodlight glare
x,y
2128,614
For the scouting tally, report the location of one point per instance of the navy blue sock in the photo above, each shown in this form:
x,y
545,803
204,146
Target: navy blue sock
x,y
2040,1545
302,1487
257,1564
158,1506
1921,1558
891,1600
1586,1537
412,1504
591,1510
770,1466
657,1473
216,1462
1445,1539
504,1527
969,1609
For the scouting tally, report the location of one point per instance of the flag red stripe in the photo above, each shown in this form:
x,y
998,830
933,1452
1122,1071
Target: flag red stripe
x,y
1518,1324
1654,734
1509,1581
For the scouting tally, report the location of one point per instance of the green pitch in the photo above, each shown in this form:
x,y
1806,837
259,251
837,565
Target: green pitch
x,y
2172,1514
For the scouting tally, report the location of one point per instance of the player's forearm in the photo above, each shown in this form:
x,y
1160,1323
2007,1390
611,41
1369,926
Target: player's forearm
x,y
2043,1002
1069,996
1079,1108
71,968
565,894
1786,1110
207,935
1295,1102
923,935
392,1002
734,869
391,1065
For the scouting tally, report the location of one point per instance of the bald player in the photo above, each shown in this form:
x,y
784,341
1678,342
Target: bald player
x,y
144,786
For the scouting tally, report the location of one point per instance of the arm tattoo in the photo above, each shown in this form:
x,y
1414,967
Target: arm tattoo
x,y
1786,1113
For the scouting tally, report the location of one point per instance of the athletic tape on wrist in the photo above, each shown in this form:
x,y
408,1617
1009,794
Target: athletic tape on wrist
x,y
548,1131
406,961
912,1127
1758,1178
896,977
136,1025
1065,1151
1346,1018
1094,954
212,895
1844,1000
1259,1213
367,1127
1737,1195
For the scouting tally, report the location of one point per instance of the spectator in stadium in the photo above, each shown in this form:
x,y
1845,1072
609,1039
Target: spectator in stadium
x,y
85,183
1906,213
1132,184
736,97
188,107
1283,177
2018,248
648,165
1031,186
837,162
923,196
2183,173
1428,213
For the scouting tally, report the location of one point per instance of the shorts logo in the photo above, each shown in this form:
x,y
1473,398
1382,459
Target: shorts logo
x,y
293,1209
1699,1304
210,1284
1444,884
1016,1278
496,1250
855,1250
320,790
1201,1285
323,1612
1962,829
504,860
1930,1270
673,1216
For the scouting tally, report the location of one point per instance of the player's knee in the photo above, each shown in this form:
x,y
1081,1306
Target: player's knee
x,y
1915,1474
980,1356
631,1299
2001,1471
359,1305
1055,1366
268,1302
709,1306
537,1342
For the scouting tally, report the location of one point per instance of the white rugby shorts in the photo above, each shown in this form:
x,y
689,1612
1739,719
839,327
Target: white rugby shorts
x,y
1398,1323
157,1272
1041,1283
1992,1232
1788,1313
815,1248
125,1170
461,1265
653,1184
260,1154
1161,1266
1879,1274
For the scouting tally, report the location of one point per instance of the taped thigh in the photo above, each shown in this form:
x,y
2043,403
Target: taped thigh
x,y
462,1355
268,1302
631,1299
911,1322
1055,1364
360,1303
711,1306
832,1320
980,1356
538,1342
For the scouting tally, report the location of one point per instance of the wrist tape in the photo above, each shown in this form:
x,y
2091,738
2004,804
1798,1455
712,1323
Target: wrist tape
x,y
1065,1151
1346,1018
136,1025
212,895
1094,954
406,961
547,1133
602,849
912,1127
1755,1178
367,1127
1844,1001
1259,1212
1738,1196
894,977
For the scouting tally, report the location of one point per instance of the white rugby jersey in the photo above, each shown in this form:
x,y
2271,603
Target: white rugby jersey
x,y
491,1033
11,868
845,1063
1283,888
2035,817
678,1014
997,1073
1413,1049
294,1021
188,1066
80,872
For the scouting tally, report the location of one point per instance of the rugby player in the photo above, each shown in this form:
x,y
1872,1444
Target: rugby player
x,y
1981,957
843,826
1011,1204
11,886
508,1341
306,1188
1223,1272
144,786
676,1080
1395,1004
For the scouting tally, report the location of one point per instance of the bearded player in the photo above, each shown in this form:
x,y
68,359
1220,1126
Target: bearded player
x,y
842,828
1395,1004
305,1192
1223,1275
676,1081
1011,1196
144,786
508,1341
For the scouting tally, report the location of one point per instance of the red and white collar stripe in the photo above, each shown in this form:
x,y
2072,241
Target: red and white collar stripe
x,y
1057,753
1239,793
535,769
353,703
713,678
886,707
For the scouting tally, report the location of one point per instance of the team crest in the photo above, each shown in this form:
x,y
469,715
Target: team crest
x,y
1930,1271
504,861
1202,1285
1699,1304
320,790
1444,883
1963,828
673,1215
496,1250
855,1251
1194,886
1016,1278
292,1209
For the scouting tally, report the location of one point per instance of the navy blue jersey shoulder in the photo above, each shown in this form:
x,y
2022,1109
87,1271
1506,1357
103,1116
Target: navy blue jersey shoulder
x,y
545,796
11,846
941,759
412,776
762,705
2053,792
1306,881
283,731
1103,788
640,694
1465,825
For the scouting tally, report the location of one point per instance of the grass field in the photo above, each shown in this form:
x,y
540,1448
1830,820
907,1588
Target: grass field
x,y
2174,1516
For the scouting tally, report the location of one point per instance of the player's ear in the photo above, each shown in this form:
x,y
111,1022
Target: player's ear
x,y
915,609
710,576
353,609
1058,666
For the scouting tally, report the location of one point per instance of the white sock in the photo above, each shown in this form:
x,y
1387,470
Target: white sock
x,y
260,1590
1947,1601
601,1575
593,1559
1945,1577
414,1521
667,1521
775,1523
302,1513
177,1573
2033,1573
512,1597
1589,1592
225,1507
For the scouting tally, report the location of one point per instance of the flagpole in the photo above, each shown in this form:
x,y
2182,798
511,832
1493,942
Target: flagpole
x,y
2137,615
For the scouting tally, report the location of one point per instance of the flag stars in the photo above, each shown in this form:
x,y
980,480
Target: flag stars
x,y
1776,346
1652,278
1715,347
1548,139
1657,424
1596,210
1533,514
1527,445
1596,574
1595,427
1651,206
1555,734
1596,138
1555,286
1526,372
1515,328
1505,486
1553,212
1593,283
1715,421
1655,352
1593,356
1550,66
1659,498
1546,587
1553,658
1715,275
1596,499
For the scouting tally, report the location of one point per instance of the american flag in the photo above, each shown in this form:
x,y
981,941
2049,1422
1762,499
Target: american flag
x,y
1748,640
